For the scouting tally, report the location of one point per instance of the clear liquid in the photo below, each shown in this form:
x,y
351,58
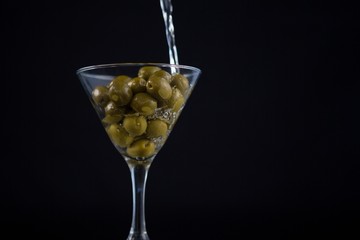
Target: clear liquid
x,y
167,9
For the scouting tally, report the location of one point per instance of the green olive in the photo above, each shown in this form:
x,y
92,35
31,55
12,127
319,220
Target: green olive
x,y
110,119
176,101
135,126
141,148
144,104
113,113
156,128
159,88
119,135
180,82
100,95
120,79
112,109
137,85
163,74
120,92
146,71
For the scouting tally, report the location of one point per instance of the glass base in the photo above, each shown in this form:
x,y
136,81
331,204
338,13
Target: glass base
x,y
138,236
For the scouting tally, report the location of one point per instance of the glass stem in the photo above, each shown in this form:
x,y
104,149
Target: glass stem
x,y
139,172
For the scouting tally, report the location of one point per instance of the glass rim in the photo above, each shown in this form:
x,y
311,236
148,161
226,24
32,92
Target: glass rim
x,y
112,65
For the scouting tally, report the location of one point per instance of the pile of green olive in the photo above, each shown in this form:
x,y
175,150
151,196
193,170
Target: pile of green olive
x,y
129,106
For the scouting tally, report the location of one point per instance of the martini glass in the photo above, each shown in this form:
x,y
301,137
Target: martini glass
x,y
134,105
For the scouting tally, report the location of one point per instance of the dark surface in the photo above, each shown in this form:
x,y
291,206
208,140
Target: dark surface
x,y
268,145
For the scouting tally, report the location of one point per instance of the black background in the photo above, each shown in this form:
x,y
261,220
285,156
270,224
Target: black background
x,y
268,145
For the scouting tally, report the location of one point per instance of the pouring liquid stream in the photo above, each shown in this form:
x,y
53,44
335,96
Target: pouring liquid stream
x,y
167,9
